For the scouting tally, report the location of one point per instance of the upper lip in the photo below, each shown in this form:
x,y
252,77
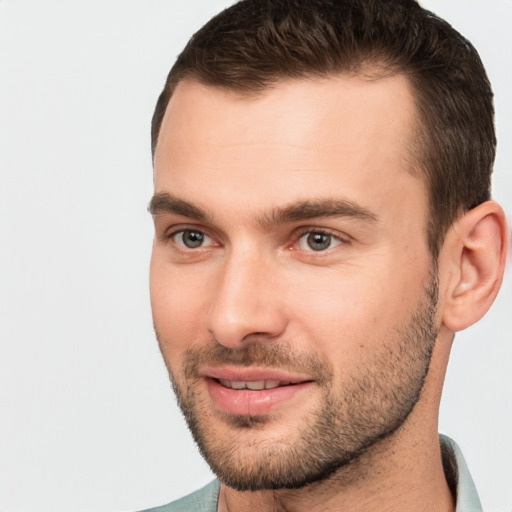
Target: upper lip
x,y
248,374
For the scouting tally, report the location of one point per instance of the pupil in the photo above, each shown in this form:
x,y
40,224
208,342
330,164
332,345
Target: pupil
x,y
319,241
192,239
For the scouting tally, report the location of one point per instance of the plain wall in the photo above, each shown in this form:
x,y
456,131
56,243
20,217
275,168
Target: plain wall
x,y
88,422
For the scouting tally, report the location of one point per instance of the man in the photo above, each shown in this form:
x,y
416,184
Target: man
x,y
323,227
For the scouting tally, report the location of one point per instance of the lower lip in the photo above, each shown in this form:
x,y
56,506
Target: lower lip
x,y
247,402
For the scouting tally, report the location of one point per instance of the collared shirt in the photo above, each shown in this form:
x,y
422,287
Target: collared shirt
x,y
456,471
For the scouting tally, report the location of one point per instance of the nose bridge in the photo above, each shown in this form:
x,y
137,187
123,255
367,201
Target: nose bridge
x,y
244,301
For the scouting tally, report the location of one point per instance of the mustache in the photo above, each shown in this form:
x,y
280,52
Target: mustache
x,y
261,354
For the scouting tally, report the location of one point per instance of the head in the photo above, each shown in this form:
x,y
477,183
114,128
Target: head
x,y
311,159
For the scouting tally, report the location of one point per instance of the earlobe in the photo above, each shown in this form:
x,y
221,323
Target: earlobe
x,y
475,250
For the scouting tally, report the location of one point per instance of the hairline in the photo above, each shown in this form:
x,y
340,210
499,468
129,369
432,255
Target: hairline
x,y
370,69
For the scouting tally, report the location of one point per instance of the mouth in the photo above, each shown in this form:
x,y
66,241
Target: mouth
x,y
253,392
254,385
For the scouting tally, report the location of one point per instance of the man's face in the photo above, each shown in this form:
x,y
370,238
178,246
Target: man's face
x,y
292,291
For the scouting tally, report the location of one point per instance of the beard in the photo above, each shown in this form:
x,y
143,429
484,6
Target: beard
x,y
368,404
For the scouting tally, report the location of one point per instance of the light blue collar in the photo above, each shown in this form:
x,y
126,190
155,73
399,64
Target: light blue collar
x,y
467,497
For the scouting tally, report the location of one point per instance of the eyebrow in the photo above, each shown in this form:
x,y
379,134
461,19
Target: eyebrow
x,y
301,210
167,203
317,208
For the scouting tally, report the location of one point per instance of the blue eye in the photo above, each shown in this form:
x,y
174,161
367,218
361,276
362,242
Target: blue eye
x,y
318,241
190,238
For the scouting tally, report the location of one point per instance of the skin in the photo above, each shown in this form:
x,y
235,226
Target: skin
x,y
255,280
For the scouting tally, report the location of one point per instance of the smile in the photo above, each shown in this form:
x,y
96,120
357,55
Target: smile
x,y
255,385
253,392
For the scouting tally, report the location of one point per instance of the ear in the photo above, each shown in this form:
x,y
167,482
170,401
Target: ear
x,y
473,258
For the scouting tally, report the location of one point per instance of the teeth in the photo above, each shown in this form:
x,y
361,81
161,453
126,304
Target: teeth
x,y
255,385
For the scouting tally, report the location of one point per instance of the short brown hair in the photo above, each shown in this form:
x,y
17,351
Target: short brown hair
x,y
255,43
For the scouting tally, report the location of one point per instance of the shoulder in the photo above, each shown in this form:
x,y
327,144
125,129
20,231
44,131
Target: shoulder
x,y
203,500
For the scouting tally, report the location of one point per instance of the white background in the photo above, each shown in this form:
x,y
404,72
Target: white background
x,y
87,418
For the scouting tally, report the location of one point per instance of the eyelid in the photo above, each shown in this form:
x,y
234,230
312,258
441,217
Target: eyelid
x,y
171,232
342,238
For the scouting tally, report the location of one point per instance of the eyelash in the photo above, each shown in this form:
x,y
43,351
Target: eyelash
x,y
321,231
171,236
298,235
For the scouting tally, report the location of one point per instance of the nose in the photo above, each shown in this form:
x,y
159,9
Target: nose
x,y
246,302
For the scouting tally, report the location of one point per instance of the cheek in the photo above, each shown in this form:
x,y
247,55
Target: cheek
x,y
177,301
348,311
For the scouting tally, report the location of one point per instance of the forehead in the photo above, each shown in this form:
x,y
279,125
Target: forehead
x,y
372,97
351,135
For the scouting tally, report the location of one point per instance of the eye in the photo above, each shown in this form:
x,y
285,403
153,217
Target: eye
x,y
318,241
191,239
